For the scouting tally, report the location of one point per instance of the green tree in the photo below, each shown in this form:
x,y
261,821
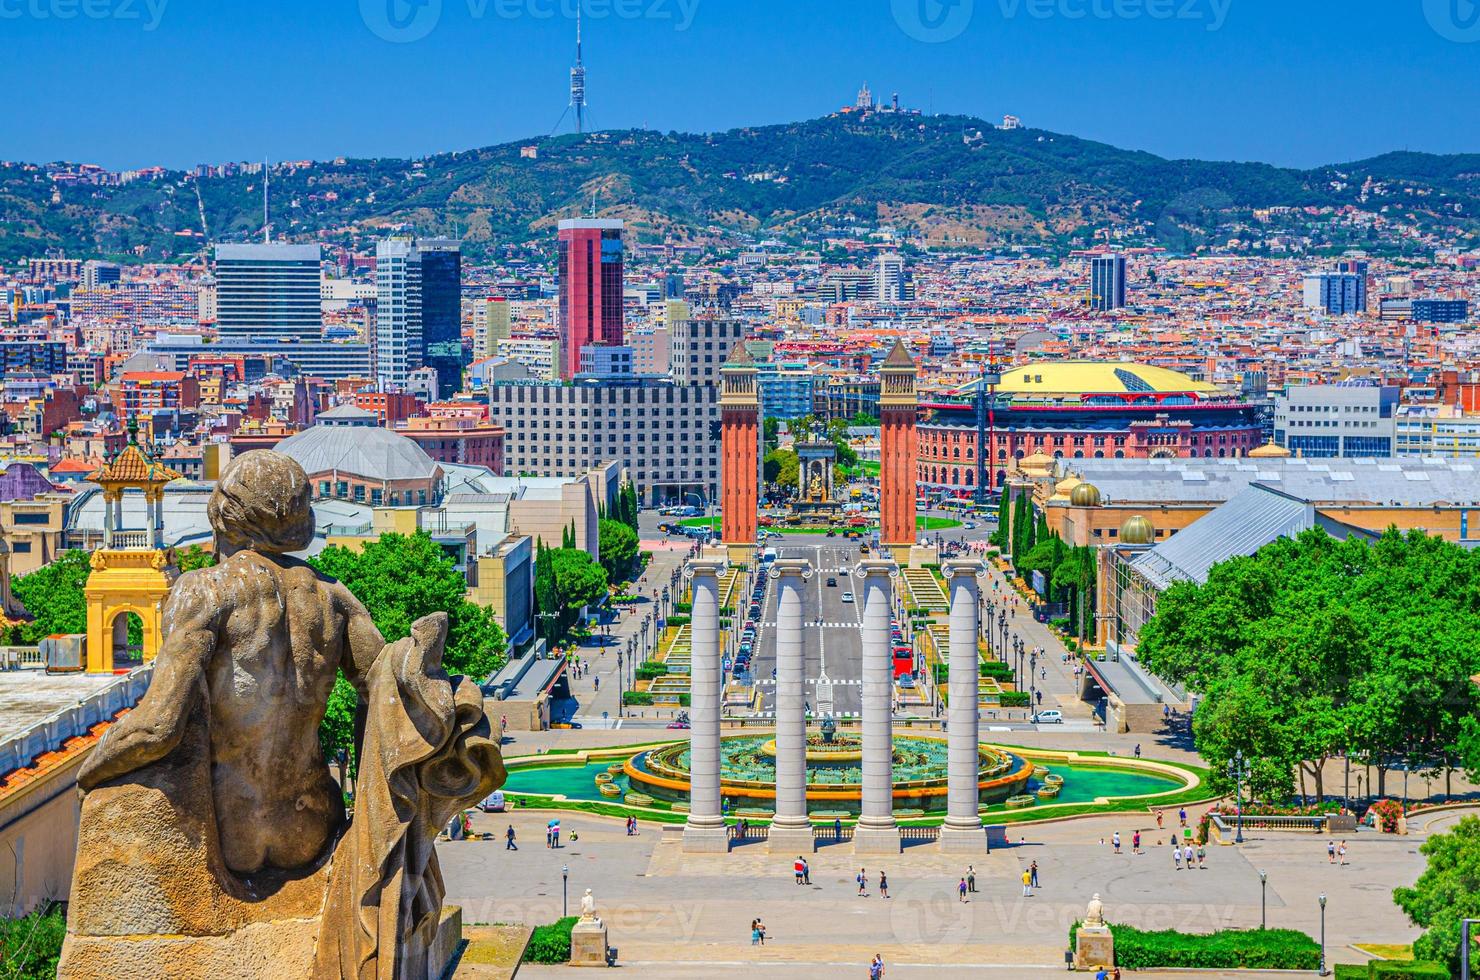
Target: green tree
x,y
1447,892
31,945
618,550
1314,648
53,595
546,595
400,578
770,432
579,581
786,467
194,557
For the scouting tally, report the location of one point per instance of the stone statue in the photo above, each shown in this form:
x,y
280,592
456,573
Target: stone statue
x,y
1095,916
817,489
213,839
588,906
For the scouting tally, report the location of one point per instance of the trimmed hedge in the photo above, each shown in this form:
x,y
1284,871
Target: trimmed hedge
x,y
1379,969
551,943
679,620
1230,949
650,669
683,607
996,669
1014,699
637,697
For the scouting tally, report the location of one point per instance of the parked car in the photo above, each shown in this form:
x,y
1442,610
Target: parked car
x,y
1049,717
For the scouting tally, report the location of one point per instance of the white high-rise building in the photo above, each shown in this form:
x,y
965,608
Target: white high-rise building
x,y
397,312
268,292
889,281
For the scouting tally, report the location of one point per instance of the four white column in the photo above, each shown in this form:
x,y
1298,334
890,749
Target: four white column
x,y
705,832
877,832
791,830
961,833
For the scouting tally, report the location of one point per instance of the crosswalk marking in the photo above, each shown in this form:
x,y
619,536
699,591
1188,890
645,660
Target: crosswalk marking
x,y
771,682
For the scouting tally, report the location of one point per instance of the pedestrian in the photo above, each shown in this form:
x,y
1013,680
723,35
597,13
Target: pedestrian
x,y
876,968
796,869
1177,856
755,932
1182,815
549,837
555,836
961,890
1138,750
883,885
806,872
862,880
1033,872
1158,819
1115,839
837,828
1341,853
509,844
1027,883
1202,857
761,928
1330,852
1188,856
970,878
1136,842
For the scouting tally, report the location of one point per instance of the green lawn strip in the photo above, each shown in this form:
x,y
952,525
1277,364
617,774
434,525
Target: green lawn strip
x,y
921,523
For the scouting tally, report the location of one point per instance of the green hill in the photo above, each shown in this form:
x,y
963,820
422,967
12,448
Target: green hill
x,y
955,180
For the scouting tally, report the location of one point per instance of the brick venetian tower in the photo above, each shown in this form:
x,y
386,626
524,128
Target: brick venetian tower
x,y
898,406
740,418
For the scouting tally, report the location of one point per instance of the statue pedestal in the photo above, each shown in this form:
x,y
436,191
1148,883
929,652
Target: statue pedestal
x,y
588,943
1095,948
701,838
790,840
876,840
963,840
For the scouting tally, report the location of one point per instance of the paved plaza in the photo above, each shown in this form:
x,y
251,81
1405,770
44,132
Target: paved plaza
x,y
672,913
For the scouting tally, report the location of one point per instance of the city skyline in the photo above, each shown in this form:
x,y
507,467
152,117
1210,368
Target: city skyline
x,y
1199,79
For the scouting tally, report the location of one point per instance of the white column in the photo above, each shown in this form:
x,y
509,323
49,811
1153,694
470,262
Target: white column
x,y
791,831
877,832
962,831
705,831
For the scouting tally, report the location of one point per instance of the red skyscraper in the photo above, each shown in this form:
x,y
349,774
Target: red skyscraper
x,y
590,288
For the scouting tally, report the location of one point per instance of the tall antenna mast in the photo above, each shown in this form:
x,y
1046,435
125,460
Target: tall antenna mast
x,y
578,80
266,228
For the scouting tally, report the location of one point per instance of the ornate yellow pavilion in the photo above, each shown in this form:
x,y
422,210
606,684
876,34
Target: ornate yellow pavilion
x,y
133,571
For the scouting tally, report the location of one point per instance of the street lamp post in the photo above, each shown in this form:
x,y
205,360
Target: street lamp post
x,y
565,890
1032,679
621,676
1238,769
1464,948
1263,903
1324,971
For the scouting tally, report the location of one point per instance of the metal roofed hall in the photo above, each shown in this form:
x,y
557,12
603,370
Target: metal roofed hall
x,y
1248,522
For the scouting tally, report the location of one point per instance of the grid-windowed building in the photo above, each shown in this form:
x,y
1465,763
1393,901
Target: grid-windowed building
x,y
268,293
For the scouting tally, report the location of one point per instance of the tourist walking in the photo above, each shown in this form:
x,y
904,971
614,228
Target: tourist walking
x,y
1115,839
1182,815
1027,883
837,828
1341,853
876,968
1138,750
961,890
755,932
1202,857
1177,855
1188,856
796,869
1330,852
970,878
862,883
806,872
883,885
509,844
760,927
1136,842
1033,871
1158,819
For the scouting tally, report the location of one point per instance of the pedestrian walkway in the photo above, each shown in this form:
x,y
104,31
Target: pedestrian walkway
x,y
1055,677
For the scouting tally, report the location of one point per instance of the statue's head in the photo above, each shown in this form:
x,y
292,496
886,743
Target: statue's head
x,y
261,503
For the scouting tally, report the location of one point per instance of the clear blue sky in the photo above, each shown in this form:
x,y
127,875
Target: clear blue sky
x,y
1296,82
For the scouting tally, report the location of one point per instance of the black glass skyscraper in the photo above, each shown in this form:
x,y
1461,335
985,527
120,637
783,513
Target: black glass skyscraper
x,y
441,312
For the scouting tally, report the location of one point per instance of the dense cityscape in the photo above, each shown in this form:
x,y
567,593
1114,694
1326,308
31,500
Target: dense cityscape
x,y
1027,507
